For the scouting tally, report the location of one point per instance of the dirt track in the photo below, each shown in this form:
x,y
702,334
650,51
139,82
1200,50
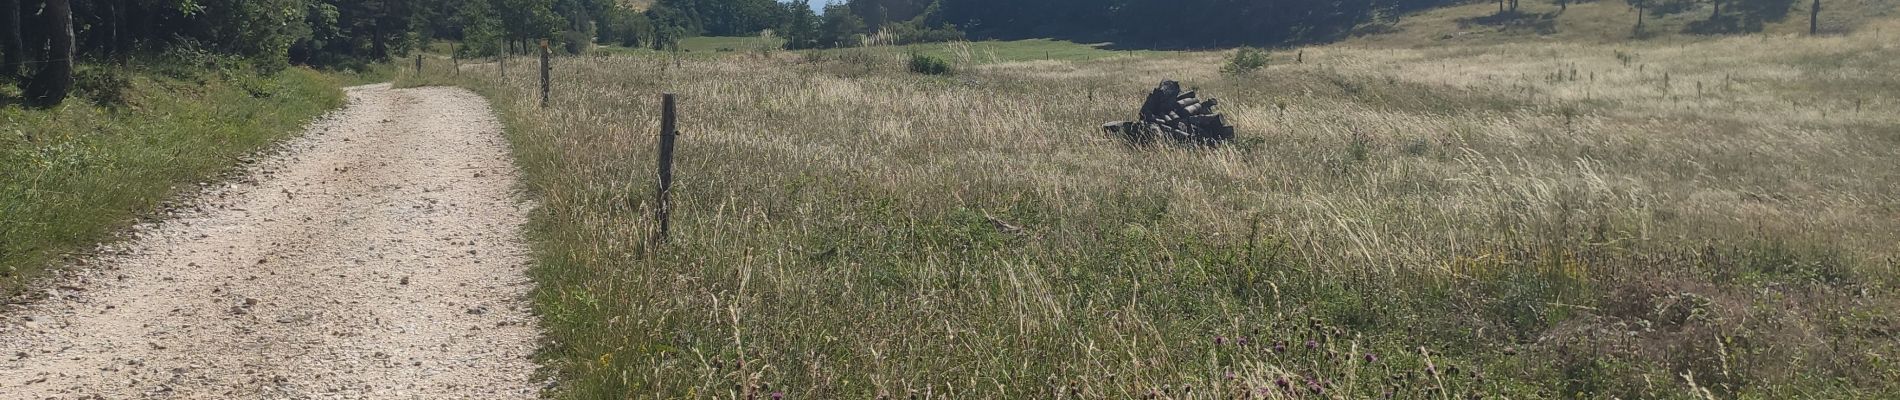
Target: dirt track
x,y
378,257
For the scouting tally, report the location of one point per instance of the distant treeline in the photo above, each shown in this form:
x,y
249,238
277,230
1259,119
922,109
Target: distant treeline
x,y
1138,23
40,40
1166,23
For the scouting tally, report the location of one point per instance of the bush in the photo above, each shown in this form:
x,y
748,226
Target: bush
x,y
1244,61
575,42
928,65
106,87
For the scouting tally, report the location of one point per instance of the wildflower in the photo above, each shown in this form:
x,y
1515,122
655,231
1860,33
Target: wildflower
x,y
1229,375
1279,347
1372,358
778,395
1220,340
1281,382
1310,344
1242,341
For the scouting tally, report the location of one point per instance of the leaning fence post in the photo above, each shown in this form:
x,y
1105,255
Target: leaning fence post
x,y
662,211
544,72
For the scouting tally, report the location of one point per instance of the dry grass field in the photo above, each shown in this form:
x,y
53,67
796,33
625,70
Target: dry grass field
x,y
1710,218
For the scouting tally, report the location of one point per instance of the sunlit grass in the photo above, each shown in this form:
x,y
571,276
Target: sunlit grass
x,y
1471,218
72,175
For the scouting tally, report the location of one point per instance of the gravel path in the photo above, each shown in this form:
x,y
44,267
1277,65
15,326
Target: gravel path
x,y
378,256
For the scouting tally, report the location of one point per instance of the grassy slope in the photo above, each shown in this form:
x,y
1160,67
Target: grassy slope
x,y
1604,21
964,53
76,173
1532,220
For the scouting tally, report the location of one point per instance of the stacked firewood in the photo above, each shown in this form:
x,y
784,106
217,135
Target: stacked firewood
x,y
1172,114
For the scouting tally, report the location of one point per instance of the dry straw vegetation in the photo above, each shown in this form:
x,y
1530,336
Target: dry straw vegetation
x,y
1713,218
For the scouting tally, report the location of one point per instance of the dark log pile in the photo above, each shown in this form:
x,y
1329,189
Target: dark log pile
x,y
1170,113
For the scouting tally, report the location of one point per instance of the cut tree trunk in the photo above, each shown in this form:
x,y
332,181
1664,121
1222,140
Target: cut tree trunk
x,y
55,77
1183,117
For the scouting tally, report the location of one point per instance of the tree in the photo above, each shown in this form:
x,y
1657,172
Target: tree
x,y
262,30
669,26
54,79
801,26
482,32
625,27
841,27
524,21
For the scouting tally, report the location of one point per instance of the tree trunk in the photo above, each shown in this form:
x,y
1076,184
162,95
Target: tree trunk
x,y
12,49
55,77
378,47
115,17
1718,10
1814,18
1639,20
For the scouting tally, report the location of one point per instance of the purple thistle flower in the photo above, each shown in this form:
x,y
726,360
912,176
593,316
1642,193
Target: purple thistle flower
x,y
1242,341
1372,358
1220,340
1279,347
1311,345
1281,382
1229,375
778,396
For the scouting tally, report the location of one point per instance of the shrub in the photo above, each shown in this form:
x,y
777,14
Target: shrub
x,y
928,65
106,87
575,42
1246,60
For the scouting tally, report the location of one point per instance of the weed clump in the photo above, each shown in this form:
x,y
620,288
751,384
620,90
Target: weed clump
x,y
104,87
929,65
1245,61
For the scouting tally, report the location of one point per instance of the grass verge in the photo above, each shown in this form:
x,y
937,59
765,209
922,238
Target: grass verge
x,y
76,173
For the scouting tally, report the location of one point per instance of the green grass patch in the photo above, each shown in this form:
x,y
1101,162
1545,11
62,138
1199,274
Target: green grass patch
x,y
76,173
988,52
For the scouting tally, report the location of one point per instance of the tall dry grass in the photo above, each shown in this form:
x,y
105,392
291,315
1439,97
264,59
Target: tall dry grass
x,y
1427,223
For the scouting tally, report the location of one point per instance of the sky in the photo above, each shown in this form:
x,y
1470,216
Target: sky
x,y
816,5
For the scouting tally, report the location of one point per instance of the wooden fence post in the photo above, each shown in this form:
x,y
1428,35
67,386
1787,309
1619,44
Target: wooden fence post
x,y
544,72
662,212
418,63
504,60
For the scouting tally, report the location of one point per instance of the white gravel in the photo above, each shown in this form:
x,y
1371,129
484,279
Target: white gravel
x,y
377,257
